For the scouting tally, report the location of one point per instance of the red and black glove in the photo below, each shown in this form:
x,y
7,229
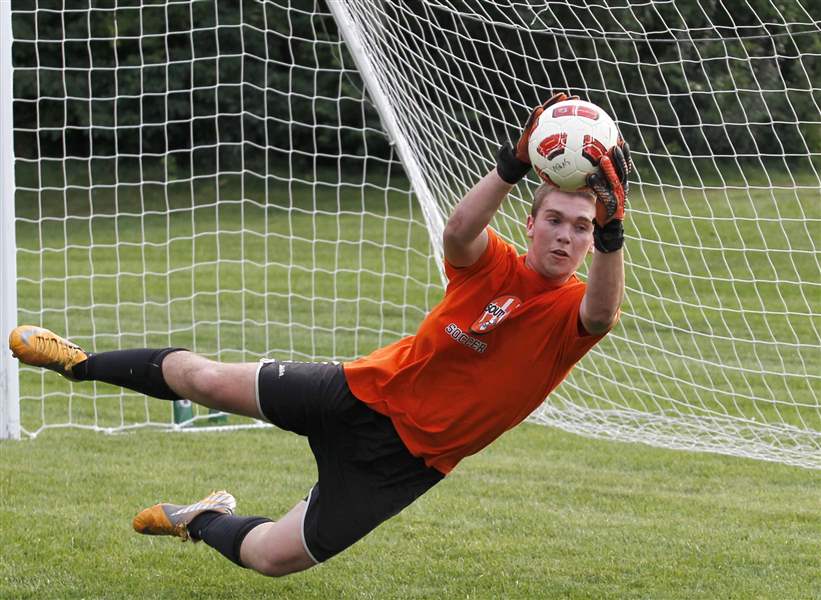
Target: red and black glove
x,y
610,185
513,162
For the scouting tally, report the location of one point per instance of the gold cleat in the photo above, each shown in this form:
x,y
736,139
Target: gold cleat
x,y
173,519
42,348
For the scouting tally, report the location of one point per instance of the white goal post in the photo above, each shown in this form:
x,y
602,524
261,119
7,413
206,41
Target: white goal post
x,y
9,384
272,177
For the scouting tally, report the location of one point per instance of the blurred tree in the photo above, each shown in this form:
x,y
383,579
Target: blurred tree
x,y
709,79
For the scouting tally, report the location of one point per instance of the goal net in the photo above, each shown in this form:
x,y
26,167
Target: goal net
x,y
271,178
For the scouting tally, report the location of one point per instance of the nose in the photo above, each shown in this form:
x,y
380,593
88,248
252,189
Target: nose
x,y
563,234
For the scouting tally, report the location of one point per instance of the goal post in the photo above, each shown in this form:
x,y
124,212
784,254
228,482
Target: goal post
x,y
271,178
351,34
9,380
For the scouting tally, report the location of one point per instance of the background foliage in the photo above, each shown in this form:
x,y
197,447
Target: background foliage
x,y
718,79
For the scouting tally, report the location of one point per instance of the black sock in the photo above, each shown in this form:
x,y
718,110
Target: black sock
x,y
138,370
223,532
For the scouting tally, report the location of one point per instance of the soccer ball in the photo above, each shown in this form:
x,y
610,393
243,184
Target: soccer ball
x,y
568,141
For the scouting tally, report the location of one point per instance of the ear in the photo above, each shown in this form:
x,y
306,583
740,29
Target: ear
x,y
529,227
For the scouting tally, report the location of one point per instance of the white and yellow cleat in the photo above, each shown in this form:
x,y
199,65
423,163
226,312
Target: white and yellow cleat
x,y
40,347
173,519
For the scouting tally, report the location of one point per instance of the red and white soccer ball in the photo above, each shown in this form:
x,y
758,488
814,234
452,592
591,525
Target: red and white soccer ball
x,y
568,141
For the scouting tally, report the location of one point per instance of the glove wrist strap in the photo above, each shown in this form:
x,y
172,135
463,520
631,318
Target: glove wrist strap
x,y
510,168
609,237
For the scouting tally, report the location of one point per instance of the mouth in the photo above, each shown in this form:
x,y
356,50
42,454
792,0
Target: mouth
x,y
559,253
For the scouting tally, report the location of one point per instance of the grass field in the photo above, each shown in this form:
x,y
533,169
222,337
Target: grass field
x,y
540,514
720,322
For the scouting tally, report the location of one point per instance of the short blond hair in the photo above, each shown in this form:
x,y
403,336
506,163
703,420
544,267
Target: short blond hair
x,y
545,189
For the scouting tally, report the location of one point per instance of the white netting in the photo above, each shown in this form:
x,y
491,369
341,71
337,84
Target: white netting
x,y
718,346
214,177
202,175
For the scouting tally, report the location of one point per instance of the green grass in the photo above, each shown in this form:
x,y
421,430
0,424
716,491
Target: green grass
x,y
540,514
720,322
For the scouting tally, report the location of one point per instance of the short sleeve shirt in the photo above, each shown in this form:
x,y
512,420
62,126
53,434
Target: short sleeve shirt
x,y
502,338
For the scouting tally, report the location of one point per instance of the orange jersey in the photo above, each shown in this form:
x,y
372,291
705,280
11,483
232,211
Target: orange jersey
x,y
486,356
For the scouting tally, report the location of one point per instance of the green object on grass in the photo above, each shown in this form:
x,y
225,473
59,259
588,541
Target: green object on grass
x,y
183,411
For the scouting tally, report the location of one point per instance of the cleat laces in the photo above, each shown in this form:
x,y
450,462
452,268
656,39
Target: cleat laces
x,y
59,351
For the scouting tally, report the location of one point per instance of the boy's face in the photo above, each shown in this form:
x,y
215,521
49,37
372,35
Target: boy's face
x,y
560,235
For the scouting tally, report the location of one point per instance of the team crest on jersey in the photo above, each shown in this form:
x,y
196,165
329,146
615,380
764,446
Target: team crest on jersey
x,y
495,312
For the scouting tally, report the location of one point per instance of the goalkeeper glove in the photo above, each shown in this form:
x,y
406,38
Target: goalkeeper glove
x,y
610,185
513,162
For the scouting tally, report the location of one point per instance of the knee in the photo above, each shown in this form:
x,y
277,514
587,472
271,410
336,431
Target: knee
x,y
274,570
279,568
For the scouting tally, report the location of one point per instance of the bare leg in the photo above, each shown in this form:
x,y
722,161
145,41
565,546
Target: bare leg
x,y
276,549
273,549
230,387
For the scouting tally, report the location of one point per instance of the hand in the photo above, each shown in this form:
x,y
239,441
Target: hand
x,y
521,146
513,162
610,183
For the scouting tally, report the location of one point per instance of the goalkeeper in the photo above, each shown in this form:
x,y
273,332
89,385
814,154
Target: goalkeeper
x,y
387,427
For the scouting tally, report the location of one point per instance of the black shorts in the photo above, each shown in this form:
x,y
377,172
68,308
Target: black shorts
x,y
366,474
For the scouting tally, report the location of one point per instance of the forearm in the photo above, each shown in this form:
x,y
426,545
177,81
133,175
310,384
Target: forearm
x,y
605,279
475,211
464,237
605,291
